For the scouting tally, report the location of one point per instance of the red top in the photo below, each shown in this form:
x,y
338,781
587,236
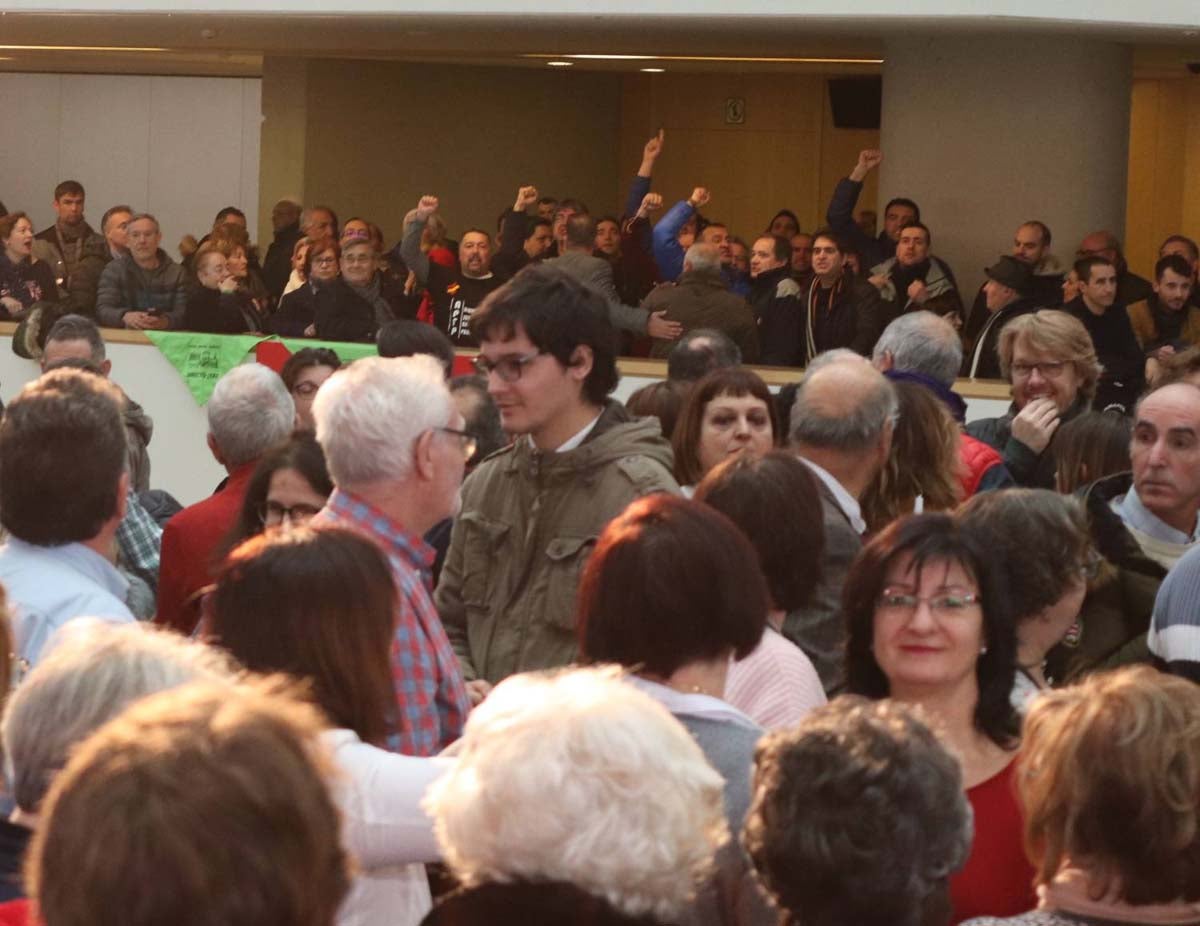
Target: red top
x,y
15,913
188,543
997,879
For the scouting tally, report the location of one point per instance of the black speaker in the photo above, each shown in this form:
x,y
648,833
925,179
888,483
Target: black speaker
x,y
855,102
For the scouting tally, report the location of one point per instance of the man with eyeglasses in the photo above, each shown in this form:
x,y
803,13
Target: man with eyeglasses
x,y
1049,360
396,450
1108,323
532,512
456,291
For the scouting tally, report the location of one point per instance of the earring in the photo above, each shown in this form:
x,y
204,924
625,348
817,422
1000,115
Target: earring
x,y
983,650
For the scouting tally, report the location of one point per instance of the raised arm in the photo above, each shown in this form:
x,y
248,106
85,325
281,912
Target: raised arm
x,y
641,183
410,247
840,214
668,253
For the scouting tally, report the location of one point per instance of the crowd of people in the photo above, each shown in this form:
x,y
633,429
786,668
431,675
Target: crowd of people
x,y
478,649
784,296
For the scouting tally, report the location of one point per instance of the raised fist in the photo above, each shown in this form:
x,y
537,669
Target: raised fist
x,y
651,202
869,159
526,197
427,207
700,197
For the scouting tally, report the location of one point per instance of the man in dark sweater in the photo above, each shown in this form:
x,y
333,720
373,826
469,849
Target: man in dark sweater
x,y
1108,324
456,292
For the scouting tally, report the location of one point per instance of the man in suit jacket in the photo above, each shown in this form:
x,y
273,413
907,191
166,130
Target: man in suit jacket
x,y
578,261
841,425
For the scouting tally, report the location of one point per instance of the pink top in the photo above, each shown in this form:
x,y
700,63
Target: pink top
x,y
775,685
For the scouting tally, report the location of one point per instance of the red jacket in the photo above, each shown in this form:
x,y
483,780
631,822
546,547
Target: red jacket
x,y
188,543
977,459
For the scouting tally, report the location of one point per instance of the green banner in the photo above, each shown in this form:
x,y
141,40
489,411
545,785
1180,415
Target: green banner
x,y
202,359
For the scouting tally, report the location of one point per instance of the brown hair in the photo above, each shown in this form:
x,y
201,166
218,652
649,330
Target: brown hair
x,y
316,249
205,804
227,238
318,605
9,222
776,503
1091,446
62,453
670,582
205,250
1059,334
732,381
924,460
1110,778
662,400
1178,368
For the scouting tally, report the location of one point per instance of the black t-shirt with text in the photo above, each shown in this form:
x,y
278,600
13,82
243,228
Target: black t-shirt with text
x,y
455,299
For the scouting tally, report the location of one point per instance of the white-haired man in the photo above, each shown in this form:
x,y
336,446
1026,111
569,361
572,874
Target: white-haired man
x,y
249,413
396,448
923,348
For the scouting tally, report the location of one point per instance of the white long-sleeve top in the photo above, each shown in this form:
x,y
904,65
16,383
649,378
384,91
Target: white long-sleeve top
x,y
385,829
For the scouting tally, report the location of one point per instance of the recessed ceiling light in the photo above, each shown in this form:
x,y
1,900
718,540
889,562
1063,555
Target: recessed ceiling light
x,y
653,70
560,64
117,48
716,58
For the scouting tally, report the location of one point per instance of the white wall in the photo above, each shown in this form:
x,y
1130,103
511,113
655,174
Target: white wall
x,y
180,460
179,147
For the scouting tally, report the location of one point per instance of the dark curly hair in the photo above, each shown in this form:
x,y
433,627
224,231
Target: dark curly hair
x,y
1038,541
935,538
859,816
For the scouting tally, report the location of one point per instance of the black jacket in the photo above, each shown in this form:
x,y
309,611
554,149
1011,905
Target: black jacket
x,y
297,310
216,312
775,299
984,338
1029,469
855,319
277,265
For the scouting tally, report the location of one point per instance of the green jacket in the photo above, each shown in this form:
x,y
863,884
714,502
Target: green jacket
x,y
529,520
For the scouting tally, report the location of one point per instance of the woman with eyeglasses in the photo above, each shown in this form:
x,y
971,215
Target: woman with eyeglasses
x,y
296,315
1039,542
1050,361
353,307
289,486
928,624
303,374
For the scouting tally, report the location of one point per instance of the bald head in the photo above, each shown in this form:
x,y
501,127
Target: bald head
x,y
1100,244
844,406
920,342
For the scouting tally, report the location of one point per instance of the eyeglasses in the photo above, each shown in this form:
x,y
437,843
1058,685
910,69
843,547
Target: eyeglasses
x,y
469,442
273,513
508,368
359,259
324,261
946,605
1050,369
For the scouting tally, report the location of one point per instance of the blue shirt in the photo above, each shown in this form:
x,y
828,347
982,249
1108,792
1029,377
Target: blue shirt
x,y
49,586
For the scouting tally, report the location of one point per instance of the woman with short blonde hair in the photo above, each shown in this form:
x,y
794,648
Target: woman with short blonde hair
x,y
1109,777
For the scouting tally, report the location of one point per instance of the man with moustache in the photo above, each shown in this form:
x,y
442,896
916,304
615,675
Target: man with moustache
x,y
456,291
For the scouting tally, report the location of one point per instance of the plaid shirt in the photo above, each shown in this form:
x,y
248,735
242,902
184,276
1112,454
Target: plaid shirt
x,y
139,541
429,682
